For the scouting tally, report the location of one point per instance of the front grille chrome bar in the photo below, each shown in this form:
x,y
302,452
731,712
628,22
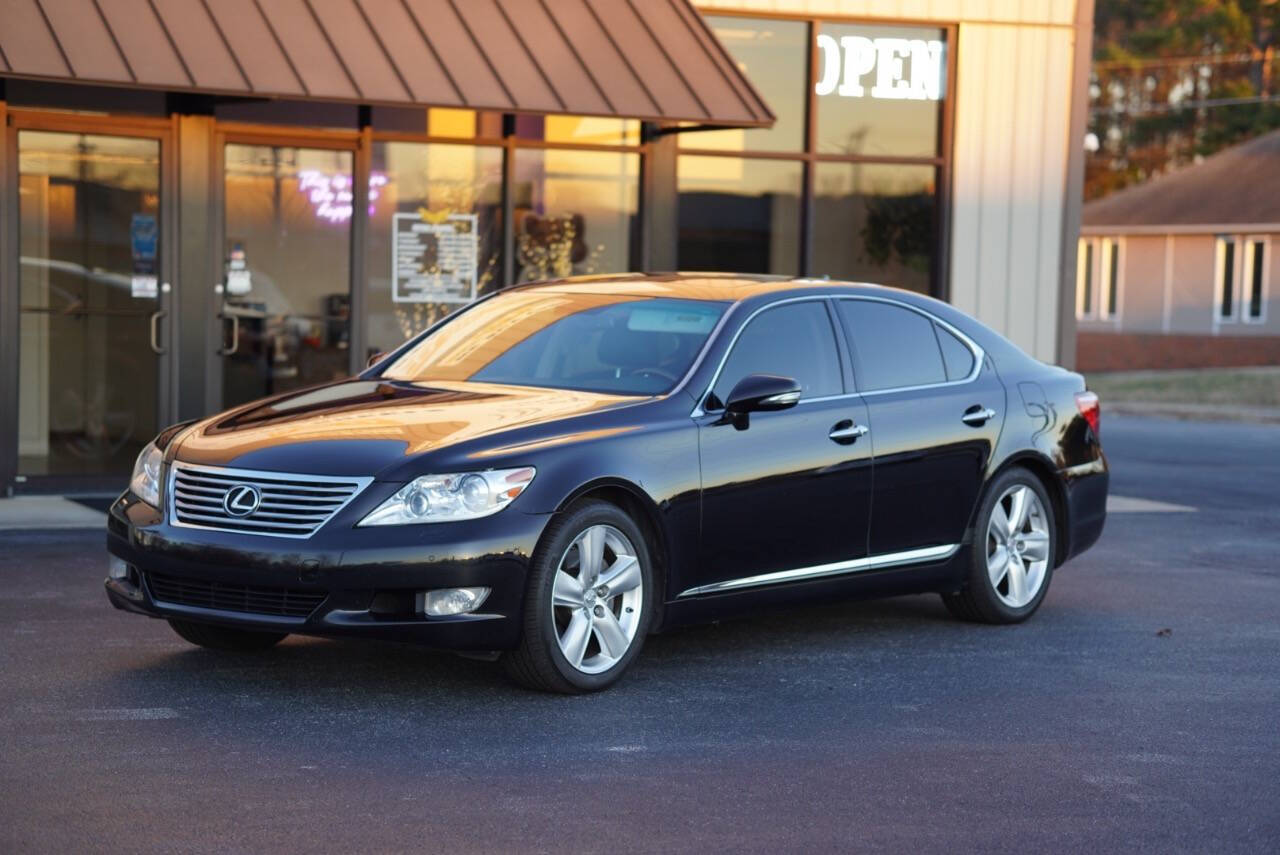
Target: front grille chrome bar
x,y
289,504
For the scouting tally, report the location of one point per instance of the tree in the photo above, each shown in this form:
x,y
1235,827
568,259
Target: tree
x,y
1177,80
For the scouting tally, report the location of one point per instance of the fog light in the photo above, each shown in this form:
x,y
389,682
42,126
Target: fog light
x,y
451,601
117,569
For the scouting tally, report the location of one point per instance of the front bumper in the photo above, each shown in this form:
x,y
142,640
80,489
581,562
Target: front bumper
x,y
364,581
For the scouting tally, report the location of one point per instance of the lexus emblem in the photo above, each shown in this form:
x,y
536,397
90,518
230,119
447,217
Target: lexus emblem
x,y
241,500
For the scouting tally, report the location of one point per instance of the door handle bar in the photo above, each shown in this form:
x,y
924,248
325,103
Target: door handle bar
x,y
851,432
978,417
155,332
235,336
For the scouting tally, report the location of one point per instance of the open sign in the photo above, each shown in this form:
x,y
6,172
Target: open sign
x,y
890,68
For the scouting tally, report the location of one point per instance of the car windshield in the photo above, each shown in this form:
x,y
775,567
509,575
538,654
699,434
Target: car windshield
x,y
611,343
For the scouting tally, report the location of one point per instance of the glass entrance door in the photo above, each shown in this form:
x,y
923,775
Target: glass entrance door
x,y
286,288
92,302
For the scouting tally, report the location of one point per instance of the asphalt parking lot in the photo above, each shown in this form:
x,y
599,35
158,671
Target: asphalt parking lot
x,y
1140,710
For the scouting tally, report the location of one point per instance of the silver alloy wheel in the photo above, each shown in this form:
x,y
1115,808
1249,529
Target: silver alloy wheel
x,y
1018,546
596,599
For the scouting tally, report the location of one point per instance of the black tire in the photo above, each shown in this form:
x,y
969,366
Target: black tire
x,y
978,600
225,638
538,662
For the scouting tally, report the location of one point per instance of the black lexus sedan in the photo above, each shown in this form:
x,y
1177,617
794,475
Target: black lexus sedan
x,y
558,470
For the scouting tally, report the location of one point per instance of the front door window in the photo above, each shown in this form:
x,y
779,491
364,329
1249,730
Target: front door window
x,y
286,292
90,294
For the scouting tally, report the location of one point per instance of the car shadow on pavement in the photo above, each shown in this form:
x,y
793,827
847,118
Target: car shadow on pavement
x,y
342,669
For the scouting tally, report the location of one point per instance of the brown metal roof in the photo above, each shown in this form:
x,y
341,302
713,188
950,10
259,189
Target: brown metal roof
x,y
1240,185
642,59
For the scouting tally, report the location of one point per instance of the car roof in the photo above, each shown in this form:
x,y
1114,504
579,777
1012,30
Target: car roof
x,y
724,287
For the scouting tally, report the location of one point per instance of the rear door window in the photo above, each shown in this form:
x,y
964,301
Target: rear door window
x,y
895,346
955,354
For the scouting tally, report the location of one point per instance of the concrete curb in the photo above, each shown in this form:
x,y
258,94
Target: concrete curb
x,y
38,513
1194,412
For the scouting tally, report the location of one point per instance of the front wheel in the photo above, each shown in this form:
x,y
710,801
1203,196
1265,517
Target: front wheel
x,y
1011,560
225,638
589,602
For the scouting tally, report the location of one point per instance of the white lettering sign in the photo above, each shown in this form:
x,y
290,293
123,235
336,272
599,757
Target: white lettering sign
x,y
896,69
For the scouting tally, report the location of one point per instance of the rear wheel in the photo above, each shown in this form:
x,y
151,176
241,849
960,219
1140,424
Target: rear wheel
x,y
589,602
225,638
1011,560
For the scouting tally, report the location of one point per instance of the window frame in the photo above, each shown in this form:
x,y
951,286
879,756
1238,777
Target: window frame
x,y
1100,267
808,155
1220,283
1254,243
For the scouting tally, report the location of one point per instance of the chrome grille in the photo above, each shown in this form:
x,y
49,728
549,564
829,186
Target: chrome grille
x,y
290,505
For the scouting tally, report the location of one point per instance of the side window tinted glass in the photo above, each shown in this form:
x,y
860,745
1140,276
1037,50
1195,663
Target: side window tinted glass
x,y
795,340
895,346
955,353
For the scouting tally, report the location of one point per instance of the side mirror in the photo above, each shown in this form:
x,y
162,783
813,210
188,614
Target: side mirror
x,y
376,358
760,393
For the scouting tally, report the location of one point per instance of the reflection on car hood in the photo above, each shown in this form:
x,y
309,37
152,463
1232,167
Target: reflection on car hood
x,y
359,427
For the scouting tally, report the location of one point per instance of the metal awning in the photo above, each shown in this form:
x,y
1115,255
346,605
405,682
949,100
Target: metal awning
x,y
642,59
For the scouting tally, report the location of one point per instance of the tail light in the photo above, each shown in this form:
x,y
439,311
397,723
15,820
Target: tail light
x,y
1087,404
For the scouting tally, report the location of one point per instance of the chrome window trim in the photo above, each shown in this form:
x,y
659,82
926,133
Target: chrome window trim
x,y
170,512
820,571
979,355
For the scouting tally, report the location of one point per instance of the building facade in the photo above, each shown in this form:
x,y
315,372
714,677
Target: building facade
x,y
208,203
1178,272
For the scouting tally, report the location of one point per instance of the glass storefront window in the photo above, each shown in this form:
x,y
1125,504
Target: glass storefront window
x,y
739,215
774,55
287,268
429,199
879,90
586,130
574,212
89,255
876,223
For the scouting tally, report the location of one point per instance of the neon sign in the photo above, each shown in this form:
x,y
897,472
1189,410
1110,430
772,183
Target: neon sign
x,y
847,62
331,195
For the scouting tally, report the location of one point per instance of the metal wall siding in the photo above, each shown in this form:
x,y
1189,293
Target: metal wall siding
x,y
1009,178
1055,102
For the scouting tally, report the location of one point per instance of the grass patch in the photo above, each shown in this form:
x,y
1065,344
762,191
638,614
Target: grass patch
x,y
1249,387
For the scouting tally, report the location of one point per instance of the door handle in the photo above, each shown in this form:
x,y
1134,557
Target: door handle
x,y
978,415
846,432
155,332
235,335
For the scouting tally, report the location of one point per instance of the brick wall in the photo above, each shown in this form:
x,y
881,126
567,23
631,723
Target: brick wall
x,y
1098,351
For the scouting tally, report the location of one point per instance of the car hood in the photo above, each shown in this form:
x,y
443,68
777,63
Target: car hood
x,y
361,427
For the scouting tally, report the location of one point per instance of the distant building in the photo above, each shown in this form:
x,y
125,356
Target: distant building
x,y
1178,272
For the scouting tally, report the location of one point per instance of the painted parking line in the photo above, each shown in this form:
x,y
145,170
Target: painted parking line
x,y
1130,505
127,714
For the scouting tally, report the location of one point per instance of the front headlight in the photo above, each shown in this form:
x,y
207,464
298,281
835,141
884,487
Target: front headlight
x,y
448,498
145,482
